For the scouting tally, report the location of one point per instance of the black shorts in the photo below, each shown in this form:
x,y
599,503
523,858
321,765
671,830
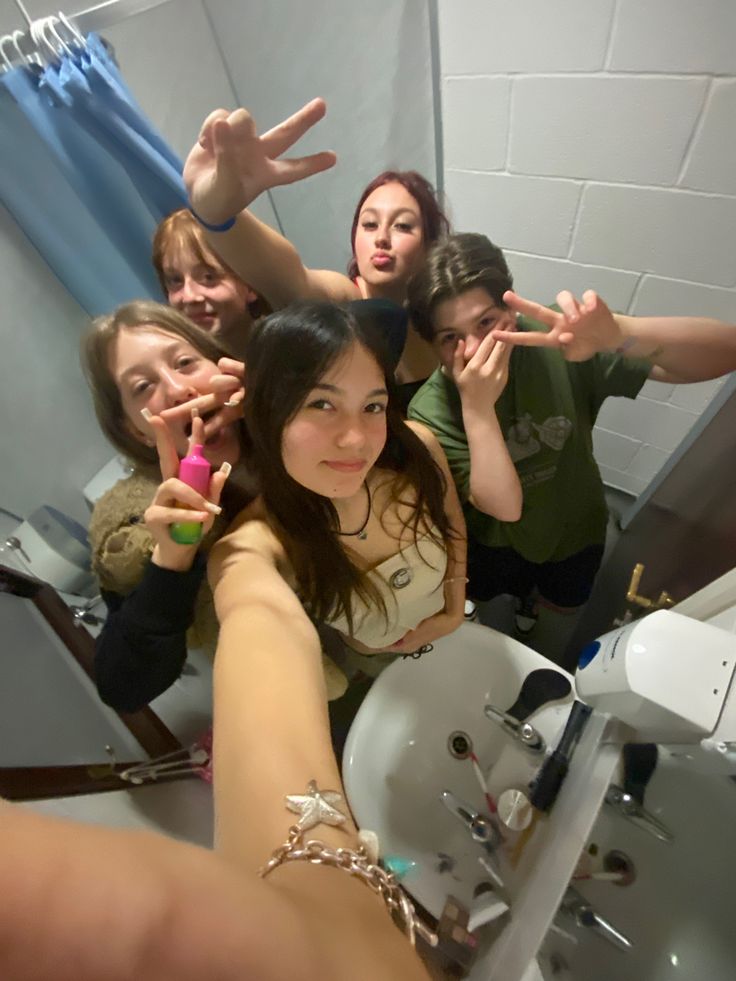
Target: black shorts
x,y
492,571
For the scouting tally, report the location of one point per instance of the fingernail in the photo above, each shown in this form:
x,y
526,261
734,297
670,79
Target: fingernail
x,y
195,412
213,508
226,468
231,403
147,414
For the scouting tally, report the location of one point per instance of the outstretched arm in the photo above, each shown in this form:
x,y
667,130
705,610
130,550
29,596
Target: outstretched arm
x,y
269,647
271,738
681,349
227,169
91,902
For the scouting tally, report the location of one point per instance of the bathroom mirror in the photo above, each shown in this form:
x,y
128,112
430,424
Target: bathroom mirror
x,y
57,739
582,139
181,59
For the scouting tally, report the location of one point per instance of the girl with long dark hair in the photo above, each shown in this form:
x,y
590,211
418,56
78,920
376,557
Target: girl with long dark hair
x,y
358,507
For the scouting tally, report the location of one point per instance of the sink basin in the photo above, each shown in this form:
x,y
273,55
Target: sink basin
x,y
678,911
397,760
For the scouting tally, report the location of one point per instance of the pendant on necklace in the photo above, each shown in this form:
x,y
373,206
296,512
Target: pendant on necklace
x,y
362,536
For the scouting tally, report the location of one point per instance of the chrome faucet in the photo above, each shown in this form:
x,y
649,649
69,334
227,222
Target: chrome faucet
x,y
16,545
525,733
480,827
579,909
628,807
83,614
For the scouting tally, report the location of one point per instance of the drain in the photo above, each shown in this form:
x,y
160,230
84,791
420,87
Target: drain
x,y
616,861
459,744
558,965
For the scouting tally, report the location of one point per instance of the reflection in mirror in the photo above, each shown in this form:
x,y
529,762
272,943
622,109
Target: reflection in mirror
x,y
594,145
605,208
58,458
178,47
47,691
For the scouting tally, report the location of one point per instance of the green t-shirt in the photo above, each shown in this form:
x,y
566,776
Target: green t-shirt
x,y
546,412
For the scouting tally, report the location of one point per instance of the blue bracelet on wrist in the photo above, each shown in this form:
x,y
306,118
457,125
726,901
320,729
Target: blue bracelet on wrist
x,y
224,227
627,345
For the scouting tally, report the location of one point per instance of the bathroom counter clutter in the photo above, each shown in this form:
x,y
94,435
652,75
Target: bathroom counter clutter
x,y
433,752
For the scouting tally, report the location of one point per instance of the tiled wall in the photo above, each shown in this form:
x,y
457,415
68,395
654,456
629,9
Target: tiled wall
x,y
595,141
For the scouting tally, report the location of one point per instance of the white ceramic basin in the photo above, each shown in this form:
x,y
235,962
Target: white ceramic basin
x,y
679,911
397,762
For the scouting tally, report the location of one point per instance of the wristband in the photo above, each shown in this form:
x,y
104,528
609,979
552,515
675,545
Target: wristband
x,y
627,344
224,227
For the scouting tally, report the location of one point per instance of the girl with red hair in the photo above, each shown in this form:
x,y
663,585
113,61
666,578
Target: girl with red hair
x,y
397,218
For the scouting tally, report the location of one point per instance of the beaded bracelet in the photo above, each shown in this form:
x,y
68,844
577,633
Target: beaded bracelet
x,y
224,227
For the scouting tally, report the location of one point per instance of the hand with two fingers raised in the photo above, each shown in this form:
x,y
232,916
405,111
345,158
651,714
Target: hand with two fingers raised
x,y
230,165
580,329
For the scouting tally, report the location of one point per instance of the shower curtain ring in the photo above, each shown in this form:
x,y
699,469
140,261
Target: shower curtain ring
x,y
73,30
38,35
7,62
53,21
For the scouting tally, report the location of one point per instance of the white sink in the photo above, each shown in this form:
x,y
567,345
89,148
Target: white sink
x,y
678,912
397,761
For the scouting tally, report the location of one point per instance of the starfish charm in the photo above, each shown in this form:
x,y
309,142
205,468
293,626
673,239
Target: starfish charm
x,y
315,807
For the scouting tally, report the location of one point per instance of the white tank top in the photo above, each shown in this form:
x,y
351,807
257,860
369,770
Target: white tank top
x,y
410,583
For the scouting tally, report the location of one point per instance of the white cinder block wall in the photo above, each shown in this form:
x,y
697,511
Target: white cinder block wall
x,y
595,141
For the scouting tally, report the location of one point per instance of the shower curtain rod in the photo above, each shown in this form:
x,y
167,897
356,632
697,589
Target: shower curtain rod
x,y
98,17
91,19
110,12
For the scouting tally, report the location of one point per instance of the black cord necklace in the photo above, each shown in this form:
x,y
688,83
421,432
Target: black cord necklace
x,y
361,533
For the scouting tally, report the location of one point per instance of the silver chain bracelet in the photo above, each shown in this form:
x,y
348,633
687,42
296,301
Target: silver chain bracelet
x,y
357,863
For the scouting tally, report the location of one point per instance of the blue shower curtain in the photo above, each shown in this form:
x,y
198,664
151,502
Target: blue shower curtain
x,y
85,175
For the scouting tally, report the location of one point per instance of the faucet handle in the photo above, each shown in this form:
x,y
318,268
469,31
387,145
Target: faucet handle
x,y
503,718
480,827
524,732
663,602
575,905
629,808
83,614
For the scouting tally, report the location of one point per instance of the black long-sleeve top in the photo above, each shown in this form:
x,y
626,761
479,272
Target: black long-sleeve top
x,y
142,647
